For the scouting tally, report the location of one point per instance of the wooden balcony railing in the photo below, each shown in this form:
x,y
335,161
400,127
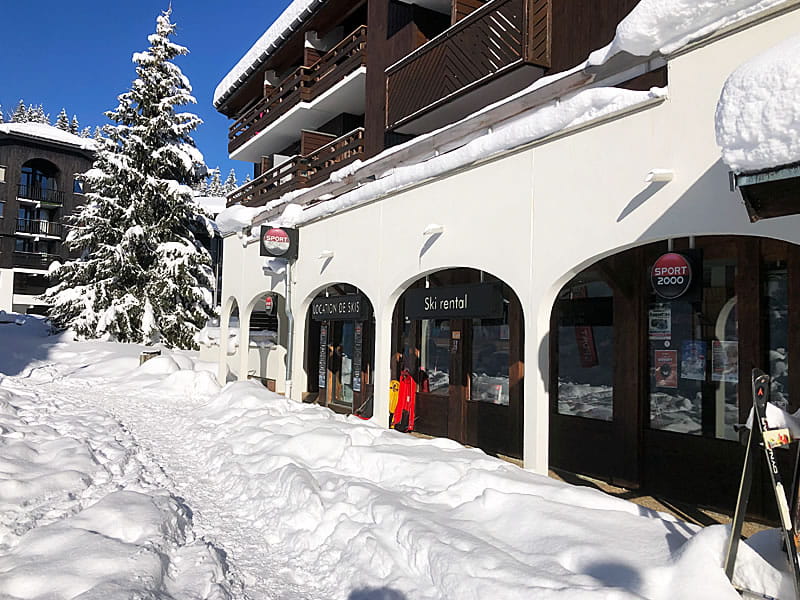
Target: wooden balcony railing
x,y
40,194
301,171
33,260
495,38
303,85
38,227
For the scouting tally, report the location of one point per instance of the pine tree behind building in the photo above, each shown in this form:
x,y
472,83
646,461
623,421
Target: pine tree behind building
x,y
62,122
142,277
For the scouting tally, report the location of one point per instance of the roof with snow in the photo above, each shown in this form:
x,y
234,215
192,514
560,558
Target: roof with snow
x,y
758,114
47,133
289,21
654,28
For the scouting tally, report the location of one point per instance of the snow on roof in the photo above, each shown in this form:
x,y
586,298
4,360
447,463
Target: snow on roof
x,y
758,114
289,20
653,26
48,133
665,26
211,204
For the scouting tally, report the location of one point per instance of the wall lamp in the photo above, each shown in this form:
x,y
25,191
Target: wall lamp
x,y
433,229
659,176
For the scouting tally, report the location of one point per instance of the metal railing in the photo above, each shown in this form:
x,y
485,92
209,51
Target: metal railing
x,y
303,84
39,227
40,194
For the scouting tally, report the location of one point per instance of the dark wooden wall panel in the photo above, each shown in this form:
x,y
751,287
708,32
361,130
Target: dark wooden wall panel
x,y
580,27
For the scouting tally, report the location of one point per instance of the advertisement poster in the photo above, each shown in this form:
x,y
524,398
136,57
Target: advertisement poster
x,y
660,323
693,360
357,352
323,357
666,368
725,361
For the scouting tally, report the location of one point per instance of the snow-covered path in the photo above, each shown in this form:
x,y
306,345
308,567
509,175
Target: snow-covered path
x,y
275,499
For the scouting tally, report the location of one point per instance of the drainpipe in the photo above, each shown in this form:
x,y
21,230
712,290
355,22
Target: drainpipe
x,y
290,333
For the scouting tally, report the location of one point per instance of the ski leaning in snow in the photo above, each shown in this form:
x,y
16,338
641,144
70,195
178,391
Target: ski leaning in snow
x,y
407,397
769,439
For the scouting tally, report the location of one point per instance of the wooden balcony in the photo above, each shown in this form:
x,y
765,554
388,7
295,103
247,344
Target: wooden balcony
x,y
36,193
301,171
33,260
39,227
304,85
487,44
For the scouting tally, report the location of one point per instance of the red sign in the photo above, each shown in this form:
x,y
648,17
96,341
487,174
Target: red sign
x,y
276,240
671,275
269,304
587,351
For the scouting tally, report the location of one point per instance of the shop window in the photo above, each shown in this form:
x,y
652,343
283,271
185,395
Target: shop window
x,y
434,356
776,295
694,357
490,361
586,349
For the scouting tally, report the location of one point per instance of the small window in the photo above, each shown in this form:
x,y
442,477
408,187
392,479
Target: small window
x,y
77,186
2,206
2,174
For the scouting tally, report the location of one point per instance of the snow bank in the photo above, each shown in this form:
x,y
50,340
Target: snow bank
x,y
289,20
43,131
758,114
667,25
81,516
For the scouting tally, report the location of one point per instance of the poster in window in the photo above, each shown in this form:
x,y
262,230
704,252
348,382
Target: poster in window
x,y
358,344
725,361
666,368
323,356
660,323
693,360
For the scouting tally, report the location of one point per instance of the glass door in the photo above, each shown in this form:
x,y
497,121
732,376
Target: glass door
x,y
340,362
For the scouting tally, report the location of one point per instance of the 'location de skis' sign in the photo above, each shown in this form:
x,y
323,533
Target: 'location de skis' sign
x,y
280,242
483,300
352,307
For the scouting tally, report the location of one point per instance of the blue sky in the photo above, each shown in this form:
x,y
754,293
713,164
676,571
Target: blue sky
x,y
77,55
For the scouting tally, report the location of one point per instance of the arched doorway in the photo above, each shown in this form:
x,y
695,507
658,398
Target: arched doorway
x,y
647,387
267,340
459,332
340,350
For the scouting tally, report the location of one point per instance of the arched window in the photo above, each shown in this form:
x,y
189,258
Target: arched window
x,y
39,182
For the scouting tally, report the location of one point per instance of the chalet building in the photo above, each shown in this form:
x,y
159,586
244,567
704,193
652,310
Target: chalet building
x,y
38,164
540,227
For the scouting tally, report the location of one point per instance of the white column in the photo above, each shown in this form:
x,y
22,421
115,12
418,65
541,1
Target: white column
x,y
383,371
244,342
224,335
6,289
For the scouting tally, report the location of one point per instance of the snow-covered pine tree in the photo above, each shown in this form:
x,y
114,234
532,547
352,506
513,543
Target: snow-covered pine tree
x,y
20,114
62,122
86,132
2,119
36,114
98,134
74,127
247,178
230,183
215,189
142,276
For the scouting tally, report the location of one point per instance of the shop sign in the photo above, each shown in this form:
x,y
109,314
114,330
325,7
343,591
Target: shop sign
x,y
323,357
358,344
671,275
352,307
483,300
271,304
280,242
